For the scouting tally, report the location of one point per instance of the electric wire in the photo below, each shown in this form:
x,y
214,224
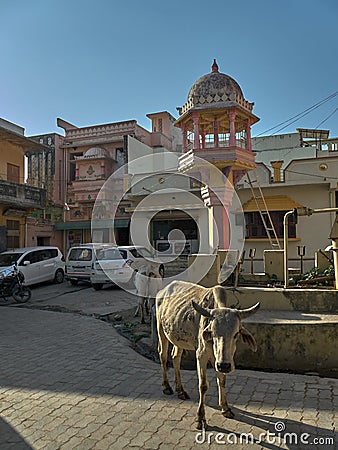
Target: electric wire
x,y
300,115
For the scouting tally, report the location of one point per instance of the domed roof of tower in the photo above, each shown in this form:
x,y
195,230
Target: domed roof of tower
x,y
214,87
215,90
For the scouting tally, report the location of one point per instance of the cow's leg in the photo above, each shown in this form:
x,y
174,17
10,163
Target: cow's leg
x,y
163,347
140,309
176,356
226,411
137,310
143,300
202,361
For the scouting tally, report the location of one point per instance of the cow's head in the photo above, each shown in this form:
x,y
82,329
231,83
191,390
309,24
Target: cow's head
x,y
223,329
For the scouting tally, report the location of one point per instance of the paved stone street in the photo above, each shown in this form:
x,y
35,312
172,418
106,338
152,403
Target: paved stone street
x,y
71,382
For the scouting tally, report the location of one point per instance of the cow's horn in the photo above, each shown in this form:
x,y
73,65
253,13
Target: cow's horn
x,y
204,312
244,313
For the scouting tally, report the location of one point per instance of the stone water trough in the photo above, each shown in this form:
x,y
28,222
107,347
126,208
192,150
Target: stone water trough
x,y
295,329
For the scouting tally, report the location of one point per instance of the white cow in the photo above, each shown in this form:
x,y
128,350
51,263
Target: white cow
x,y
148,282
192,317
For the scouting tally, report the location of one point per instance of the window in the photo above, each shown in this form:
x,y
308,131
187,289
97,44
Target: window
x,y
256,229
13,233
47,254
8,259
13,173
80,254
32,257
110,254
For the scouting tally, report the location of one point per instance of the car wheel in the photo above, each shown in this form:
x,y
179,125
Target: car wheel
x,y
97,286
59,276
73,282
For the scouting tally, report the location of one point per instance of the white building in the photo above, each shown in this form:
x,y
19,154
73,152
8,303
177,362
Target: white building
x,y
293,170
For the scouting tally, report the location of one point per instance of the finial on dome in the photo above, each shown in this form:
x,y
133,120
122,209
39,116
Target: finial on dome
x,y
214,67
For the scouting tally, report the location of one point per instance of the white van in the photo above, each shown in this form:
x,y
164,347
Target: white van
x,y
38,264
79,262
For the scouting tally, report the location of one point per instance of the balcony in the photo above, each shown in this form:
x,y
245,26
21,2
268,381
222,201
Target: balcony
x,y
221,157
22,195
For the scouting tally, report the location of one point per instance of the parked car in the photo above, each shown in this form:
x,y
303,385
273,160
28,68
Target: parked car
x,y
37,264
110,267
79,261
139,256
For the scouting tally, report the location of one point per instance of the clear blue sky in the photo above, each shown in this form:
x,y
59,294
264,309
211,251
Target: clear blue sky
x,y
92,62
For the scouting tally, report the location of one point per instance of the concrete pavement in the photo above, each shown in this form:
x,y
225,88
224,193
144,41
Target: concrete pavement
x,y
71,382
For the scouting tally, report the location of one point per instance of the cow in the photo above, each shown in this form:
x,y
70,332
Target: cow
x,y
192,317
148,282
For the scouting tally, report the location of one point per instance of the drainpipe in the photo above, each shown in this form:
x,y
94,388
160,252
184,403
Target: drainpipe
x,y
286,238
334,238
335,260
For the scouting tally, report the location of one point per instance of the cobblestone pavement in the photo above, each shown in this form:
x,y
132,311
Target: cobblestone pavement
x,y
71,382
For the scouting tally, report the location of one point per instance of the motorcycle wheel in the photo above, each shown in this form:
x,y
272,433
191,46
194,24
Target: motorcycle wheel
x,y
21,294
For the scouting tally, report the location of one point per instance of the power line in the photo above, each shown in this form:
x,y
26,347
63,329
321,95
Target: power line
x,y
330,115
293,119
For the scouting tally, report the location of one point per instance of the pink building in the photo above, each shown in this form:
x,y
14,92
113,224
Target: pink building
x,y
90,155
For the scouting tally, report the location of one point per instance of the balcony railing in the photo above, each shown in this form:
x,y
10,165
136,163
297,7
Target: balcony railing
x,y
22,195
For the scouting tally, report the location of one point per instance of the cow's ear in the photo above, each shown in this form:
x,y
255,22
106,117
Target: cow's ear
x,y
247,338
207,334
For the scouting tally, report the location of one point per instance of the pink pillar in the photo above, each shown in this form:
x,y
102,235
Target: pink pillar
x,y
195,119
216,129
203,139
185,140
222,222
248,136
232,117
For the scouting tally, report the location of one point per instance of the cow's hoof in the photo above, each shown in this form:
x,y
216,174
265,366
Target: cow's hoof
x,y
201,424
228,414
168,391
183,395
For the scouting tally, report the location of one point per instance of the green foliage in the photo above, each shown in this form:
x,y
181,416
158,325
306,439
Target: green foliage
x,y
317,272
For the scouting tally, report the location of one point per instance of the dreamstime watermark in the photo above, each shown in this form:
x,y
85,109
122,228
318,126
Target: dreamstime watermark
x,y
279,437
152,189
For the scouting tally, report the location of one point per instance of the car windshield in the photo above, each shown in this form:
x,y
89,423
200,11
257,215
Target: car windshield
x,y
107,254
141,252
8,259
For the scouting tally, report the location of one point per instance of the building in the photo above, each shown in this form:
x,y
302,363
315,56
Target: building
x,y
189,195
293,170
90,156
46,171
17,199
216,125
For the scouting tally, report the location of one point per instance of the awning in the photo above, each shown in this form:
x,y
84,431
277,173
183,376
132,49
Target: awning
x,y
87,224
273,203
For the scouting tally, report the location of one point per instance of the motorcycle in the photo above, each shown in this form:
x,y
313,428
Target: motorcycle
x,y
11,285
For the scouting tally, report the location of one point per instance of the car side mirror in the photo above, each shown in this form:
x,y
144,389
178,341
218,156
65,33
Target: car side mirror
x,y
26,263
